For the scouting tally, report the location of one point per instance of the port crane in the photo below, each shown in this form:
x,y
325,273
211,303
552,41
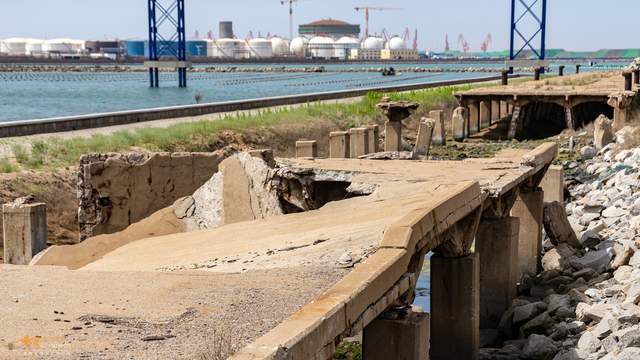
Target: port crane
x,y
366,10
290,2
463,44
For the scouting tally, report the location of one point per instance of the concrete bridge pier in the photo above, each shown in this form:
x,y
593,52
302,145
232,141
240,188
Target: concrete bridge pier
x,y
528,209
439,133
485,114
397,335
306,149
339,147
24,231
358,142
495,111
474,118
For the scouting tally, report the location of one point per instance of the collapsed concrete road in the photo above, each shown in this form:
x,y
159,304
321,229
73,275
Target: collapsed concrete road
x,y
349,245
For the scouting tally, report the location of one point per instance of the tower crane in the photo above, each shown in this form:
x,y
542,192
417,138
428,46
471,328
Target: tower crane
x,y
463,44
486,43
290,2
366,10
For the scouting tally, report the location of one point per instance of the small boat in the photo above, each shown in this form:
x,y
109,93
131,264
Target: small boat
x,y
389,72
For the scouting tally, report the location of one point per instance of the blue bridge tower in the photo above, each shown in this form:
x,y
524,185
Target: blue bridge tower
x,y
167,40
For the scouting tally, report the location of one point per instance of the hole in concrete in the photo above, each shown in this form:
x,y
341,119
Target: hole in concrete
x,y
541,120
313,194
586,113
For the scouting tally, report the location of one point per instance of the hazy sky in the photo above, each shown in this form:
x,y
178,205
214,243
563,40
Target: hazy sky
x,y
572,24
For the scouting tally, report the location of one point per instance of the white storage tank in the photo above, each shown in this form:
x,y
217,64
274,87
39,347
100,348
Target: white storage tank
x,y
373,43
322,47
14,46
63,46
260,48
298,46
229,49
279,46
396,43
34,47
344,45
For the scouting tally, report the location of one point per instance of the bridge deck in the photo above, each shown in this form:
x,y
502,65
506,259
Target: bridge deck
x,y
301,253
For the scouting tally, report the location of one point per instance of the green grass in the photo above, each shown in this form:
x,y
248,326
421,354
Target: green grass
x,y
204,135
7,167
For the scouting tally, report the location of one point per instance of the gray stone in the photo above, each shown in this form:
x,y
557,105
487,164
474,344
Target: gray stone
x,y
605,327
588,218
571,354
610,343
632,353
622,257
588,343
529,311
184,207
557,258
590,239
632,293
594,312
537,325
556,301
588,152
623,273
613,212
597,260
539,347
630,339
557,226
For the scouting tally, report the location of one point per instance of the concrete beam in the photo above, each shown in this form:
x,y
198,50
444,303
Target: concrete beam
x,y
528,209
24,231
339,147
306,149
497,244
405,338
455,304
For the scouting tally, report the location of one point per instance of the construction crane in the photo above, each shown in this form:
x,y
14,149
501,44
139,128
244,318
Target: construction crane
x,y
290,2
414,46
447,47
366,10
463,44
486,43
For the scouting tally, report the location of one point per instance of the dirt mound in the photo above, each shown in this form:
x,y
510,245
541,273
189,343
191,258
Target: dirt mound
x,y
57,188
163,222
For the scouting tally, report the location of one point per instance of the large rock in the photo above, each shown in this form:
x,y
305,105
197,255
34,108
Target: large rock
x,y
594,312
537,325
539,347
557,258
590,239
602,132
557,226
588,343
529,311
588,152
598,260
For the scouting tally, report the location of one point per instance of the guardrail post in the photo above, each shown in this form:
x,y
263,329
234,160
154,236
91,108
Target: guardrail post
x,y
497,244
339,147
455,304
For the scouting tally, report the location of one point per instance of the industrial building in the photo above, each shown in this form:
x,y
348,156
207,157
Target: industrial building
x,y
329,27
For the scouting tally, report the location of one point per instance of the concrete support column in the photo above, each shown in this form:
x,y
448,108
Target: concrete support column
x,y
307,149
423,141
577,68
393,136
505,77
455,304
528,208
24,230
561,70
620,116
339,145
474,117
439,132
628,81
497,244
553,184
459,123
536,73
485,114
495,111
359,142
405,338
373,136
636,76
504,109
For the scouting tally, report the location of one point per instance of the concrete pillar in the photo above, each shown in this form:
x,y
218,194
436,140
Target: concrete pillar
x,y
406,338
373,135
561,70
504,109
24,231
439,131
423,141
455,305
528,208
577,68
485,114
306,149
505,77
474,117
553,184
393,136
536,73
339,145
495,111
620,116
628,81
513,124
358,142
497,244
636,76
459,123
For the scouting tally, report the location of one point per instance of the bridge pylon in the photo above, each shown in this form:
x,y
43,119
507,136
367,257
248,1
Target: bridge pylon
x,y
167,40
528,27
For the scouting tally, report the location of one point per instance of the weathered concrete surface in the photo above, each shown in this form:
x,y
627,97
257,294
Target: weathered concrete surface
x,y
528,209
307,148
116,190
553,184
339,145
405,338
24,230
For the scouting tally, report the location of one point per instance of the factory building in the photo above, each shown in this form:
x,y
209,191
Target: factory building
x,y
396,49
334,29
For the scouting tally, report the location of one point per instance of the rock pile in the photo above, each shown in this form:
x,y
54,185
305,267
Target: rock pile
x,y
584,304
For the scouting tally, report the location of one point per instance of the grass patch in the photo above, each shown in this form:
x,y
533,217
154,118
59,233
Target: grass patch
x,y
205,135
348,350
7,167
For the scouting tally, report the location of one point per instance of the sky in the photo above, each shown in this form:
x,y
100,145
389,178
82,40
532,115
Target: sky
x,y
572,24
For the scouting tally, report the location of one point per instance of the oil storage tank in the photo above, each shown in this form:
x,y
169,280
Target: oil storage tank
x,y
373,43
396,43
321,47
260,48
228,49
14,46
279,46
344,46
63,46
299,46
